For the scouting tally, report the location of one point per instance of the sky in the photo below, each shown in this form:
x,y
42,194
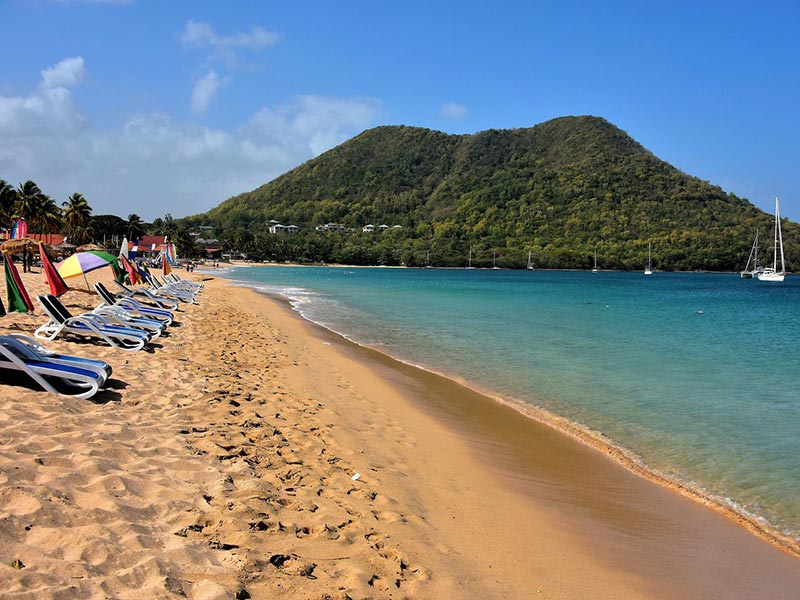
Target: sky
x,y
154,107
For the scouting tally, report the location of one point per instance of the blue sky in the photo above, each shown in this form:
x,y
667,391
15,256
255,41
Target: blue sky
x,y
150,107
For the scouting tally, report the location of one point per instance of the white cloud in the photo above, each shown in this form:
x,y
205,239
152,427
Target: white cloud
x,y
314,123
451,110
50,107
204,91
152,164
67,73
202,35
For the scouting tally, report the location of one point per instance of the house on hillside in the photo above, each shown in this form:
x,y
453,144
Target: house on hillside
x,y
333,227
276,227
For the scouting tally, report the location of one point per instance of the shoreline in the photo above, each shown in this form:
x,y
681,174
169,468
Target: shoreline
x,y
597,440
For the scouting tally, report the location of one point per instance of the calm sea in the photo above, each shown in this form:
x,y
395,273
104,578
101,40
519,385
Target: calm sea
x,y
697,374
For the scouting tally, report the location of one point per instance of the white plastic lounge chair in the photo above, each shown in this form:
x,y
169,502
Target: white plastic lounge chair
x,y
147,296
116,315
184,283
133,306
56,377
126,338
169,291
27,345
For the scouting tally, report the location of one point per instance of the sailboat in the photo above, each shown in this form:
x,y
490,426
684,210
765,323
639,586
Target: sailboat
x,y
649,269
594,270
772,273
494,259
469,264
752,272
530,263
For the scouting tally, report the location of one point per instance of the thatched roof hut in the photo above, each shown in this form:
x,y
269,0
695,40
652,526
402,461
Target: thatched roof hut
x,y
88,247
18,246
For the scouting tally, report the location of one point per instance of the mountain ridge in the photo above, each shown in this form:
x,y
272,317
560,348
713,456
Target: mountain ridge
x,y
558,190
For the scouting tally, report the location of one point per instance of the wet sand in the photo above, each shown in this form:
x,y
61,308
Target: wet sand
x,y
225,462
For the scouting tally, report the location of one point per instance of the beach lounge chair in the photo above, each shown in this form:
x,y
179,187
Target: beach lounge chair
x,y
61,321
189,285
27,344
133,306
63,377
116,315
170,291
147,296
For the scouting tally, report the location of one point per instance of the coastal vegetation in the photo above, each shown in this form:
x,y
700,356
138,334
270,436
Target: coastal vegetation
x,y
557,191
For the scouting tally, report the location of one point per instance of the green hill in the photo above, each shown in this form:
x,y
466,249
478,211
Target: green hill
x,y
560,190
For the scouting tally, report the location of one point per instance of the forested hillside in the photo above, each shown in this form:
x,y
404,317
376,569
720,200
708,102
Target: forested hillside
x,y
558,190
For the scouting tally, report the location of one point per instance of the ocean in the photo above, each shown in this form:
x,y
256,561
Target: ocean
x,y
695,374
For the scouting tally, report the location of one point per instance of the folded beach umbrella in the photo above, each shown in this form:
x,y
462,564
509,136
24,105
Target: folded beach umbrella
x,y
18,300
123,248
53,277
167,269
133,275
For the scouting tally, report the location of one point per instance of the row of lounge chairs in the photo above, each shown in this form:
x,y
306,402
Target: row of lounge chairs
x,y
128,320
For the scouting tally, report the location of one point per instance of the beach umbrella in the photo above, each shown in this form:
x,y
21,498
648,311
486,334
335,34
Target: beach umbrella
x,y
82,263
18,300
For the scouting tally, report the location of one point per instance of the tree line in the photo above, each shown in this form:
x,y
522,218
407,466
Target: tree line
x,y
74,219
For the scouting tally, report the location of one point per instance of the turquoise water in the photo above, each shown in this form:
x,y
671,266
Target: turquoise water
x,y
695,373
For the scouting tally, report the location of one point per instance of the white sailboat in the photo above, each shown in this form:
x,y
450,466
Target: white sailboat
x,y
469,264
649,269
594,270
494,259
751,272
772,273
530,263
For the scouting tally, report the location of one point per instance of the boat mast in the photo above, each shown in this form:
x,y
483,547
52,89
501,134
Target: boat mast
x,y
778,237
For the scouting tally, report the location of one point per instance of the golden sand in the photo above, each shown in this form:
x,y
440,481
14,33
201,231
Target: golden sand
x,y
250,454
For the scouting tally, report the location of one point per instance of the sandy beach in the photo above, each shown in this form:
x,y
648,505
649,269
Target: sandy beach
x,y
251,454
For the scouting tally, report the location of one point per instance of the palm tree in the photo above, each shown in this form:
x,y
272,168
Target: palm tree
x,y
49,217
77,213
29,202
135,227
184,243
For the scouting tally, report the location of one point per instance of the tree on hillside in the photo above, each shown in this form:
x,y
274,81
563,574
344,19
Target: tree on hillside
x,y
77,215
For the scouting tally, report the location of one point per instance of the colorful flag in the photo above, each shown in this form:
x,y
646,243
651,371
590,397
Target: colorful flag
x,y
167,268
51,274
134,250
18,300
20,229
